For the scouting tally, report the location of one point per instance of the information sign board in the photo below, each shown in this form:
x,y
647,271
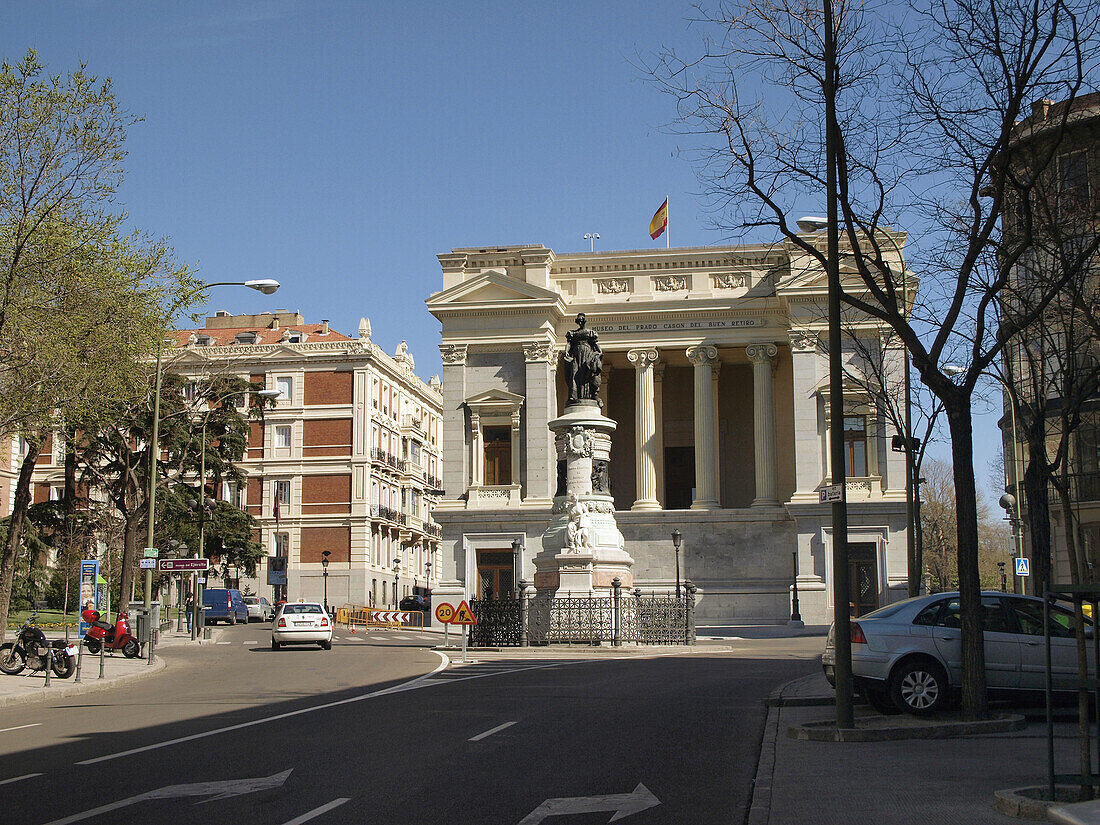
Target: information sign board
x,y
147,564
831,493
151,552
189,565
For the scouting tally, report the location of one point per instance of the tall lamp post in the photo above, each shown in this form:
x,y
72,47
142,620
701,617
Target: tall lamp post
x,y
396,576
267,286
517,548
677,538
324,573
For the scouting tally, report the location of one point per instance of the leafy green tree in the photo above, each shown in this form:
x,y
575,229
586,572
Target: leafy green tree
x,y
82,303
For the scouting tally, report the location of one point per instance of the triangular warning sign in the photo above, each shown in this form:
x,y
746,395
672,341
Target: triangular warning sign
x,y
464,615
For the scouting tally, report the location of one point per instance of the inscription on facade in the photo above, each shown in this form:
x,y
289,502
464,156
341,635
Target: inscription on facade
x,y
653,326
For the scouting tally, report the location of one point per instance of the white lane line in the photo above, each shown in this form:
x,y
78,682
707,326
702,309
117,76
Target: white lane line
x,y
19,778
410,685
251,642
308,815
20,727
490,732
223,643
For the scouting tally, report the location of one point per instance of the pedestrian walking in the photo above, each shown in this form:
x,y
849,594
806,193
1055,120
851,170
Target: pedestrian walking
x,y
189,606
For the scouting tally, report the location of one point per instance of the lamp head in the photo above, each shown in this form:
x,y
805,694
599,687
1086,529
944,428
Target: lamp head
x,y
812,223
517,545
265,285
268,393
952,370
1007,501
677,537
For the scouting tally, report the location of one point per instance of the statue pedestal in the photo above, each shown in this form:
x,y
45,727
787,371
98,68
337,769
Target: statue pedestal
x,y
582,547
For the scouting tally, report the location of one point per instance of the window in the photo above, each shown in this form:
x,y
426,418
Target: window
x,y
416,453
57,492
855,446
233,493
190,391
1073,179
282,544
1029,615
282,492
59,449
285,386
994,619
374,392
245,338
282,436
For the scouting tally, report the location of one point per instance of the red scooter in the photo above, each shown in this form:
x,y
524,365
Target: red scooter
x,y
102,635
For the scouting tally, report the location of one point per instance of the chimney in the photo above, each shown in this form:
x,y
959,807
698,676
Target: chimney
x,y
324,326
1040,109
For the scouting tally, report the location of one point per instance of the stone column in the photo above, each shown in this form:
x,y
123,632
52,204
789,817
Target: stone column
x,y
477,452
704,357
659,422
456,471
809,445
645,461
762,357
541,405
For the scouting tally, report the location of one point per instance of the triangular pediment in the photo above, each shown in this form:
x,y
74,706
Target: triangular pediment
x,y
492,287
282,351
494,399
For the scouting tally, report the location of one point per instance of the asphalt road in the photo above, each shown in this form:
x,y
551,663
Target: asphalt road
x,y
374,731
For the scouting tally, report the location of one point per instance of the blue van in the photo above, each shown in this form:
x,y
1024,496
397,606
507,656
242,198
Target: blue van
x,y
222,605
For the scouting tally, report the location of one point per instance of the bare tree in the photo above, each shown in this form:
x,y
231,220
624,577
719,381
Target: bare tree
x,y
926,106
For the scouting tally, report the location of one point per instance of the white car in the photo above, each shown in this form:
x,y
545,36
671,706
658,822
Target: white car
x,y
259,608
301,623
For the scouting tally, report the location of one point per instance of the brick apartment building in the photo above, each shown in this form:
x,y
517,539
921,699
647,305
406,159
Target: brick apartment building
x,y
352,451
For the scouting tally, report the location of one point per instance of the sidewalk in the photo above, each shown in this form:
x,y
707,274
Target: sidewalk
x,y
117,669
898,782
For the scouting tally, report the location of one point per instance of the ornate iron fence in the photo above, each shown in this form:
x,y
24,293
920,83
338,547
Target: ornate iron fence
x,y
621,618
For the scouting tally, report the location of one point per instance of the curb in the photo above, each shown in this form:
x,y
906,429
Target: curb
x,y
760,803
72,689
827,731
1019,803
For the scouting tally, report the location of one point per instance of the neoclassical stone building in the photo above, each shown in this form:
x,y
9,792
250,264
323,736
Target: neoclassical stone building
x,y
715,374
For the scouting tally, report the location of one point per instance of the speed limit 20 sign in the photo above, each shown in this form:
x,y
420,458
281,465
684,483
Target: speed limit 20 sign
x,y
444,613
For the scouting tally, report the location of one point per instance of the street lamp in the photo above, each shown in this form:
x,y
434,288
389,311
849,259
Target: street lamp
x,y
324,573
677,537
267,286
396,576
1004,578
517,548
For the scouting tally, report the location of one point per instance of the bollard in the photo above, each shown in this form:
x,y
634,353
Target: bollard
x,y
102,647
79,661
49,662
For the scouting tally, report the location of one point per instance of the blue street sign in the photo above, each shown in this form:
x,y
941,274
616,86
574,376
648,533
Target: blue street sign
x,y
1023,568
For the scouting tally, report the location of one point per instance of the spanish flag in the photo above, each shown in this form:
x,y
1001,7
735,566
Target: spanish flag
x,y
659,224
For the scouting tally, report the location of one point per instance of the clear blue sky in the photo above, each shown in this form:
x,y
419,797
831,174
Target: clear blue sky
x,y
338,147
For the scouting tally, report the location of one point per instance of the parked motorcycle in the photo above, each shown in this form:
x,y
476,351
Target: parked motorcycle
x,y
32,649
101,634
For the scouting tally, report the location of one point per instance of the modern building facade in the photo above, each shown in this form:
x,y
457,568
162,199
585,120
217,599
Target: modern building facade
x,y
351,451
714,370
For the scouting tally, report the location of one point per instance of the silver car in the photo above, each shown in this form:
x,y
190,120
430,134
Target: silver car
x,y
908,655
259,608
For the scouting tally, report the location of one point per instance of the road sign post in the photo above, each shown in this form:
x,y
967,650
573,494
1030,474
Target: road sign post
x,y
444,612
465,617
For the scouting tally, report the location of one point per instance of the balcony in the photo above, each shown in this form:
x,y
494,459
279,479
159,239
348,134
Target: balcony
x,y
433,482
433,530
496,497
383,513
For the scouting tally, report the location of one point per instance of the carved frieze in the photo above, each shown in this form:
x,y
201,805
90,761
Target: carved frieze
x,y
538,351
670,283
612,286
728,280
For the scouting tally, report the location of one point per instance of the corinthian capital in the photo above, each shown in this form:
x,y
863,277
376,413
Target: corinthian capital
x,y
453,353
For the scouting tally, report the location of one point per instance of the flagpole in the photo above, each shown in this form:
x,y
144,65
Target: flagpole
x,y
667,235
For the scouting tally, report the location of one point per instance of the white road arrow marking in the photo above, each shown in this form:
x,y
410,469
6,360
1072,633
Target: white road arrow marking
x,y
624,804
215,790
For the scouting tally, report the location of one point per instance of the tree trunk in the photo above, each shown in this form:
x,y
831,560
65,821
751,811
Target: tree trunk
x,y
130,541
974,705
15,530
1037,496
